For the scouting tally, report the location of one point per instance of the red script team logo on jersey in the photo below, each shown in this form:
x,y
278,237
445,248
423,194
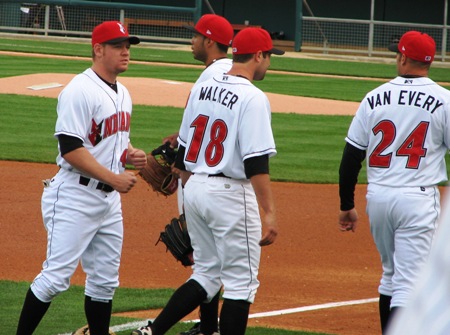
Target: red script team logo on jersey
x,y
110,126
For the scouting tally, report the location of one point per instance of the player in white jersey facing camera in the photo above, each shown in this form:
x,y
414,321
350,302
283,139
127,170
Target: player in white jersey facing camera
x,y
81,204
225,143
402,129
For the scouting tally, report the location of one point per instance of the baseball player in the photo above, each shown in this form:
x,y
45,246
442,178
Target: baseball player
x,y
212,36
402,128
81,205
225,144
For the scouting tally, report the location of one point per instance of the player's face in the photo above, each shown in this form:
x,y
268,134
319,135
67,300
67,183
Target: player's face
x,y
115,57
263,65
198,47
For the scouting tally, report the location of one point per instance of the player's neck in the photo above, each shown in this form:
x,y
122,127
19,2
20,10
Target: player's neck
x,y
240,70
106,76
214,58
113,85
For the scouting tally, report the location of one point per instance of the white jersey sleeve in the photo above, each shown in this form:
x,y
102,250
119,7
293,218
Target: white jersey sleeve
x,y
93,112
404,127
227,120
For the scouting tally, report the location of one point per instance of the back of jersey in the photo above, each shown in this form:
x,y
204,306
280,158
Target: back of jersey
x,y
227,120
404,127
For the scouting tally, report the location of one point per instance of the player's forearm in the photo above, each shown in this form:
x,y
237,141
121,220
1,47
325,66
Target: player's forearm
x,y
263,191
82,160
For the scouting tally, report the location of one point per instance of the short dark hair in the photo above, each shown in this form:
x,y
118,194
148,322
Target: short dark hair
x,y
222,47
244,58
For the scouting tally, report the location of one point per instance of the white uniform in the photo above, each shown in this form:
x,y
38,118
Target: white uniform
x,y
83,217
227,120
429,307
404,126
217,67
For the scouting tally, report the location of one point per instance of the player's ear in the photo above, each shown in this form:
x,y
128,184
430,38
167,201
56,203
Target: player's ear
x,y
403,59
258,56
209,42
97,50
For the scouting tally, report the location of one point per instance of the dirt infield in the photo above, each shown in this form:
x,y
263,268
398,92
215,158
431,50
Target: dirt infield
x,y
159,92
311,263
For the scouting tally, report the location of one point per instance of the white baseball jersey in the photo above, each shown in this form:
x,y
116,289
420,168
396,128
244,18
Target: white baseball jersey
x,y
404,126
84,221
217,67
227,120
91,111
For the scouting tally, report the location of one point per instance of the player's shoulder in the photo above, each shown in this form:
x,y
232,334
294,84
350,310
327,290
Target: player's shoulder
x,y
218,67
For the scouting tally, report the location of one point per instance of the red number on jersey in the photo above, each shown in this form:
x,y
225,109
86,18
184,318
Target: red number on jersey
x,y
199,125
214,150
412,147
387,129
123,158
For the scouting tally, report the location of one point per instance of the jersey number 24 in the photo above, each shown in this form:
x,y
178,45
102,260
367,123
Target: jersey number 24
x,y
412,147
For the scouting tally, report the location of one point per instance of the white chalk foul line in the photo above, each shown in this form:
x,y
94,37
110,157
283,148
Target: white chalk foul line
x,y
312,308
137,324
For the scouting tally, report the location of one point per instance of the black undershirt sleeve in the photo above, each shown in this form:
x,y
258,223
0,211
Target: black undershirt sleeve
x,y
253,165
68,143
179,161
352,158
256,165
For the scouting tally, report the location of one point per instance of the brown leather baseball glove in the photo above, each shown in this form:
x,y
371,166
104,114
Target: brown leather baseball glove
x,y
158,170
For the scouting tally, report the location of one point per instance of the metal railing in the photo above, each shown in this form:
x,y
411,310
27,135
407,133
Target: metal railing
x,y
73,18
77,18
364,37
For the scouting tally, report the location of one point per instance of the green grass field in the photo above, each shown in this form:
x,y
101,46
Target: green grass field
x,y
309,147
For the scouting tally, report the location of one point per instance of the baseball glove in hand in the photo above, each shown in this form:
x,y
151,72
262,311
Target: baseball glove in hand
x,y
176,238
158,171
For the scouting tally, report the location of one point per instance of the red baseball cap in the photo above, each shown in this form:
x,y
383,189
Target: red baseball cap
x,y
214,27
416,45
251,40
112,32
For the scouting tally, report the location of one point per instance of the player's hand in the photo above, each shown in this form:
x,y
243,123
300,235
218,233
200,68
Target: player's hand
x,y
137,157
270,230
124,182
172,139
348,220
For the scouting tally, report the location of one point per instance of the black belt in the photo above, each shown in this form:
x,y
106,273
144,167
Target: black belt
x,y
100,186
218,175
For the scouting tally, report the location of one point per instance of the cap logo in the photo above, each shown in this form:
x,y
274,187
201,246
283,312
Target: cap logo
x,y
208,32
122,28
427,58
